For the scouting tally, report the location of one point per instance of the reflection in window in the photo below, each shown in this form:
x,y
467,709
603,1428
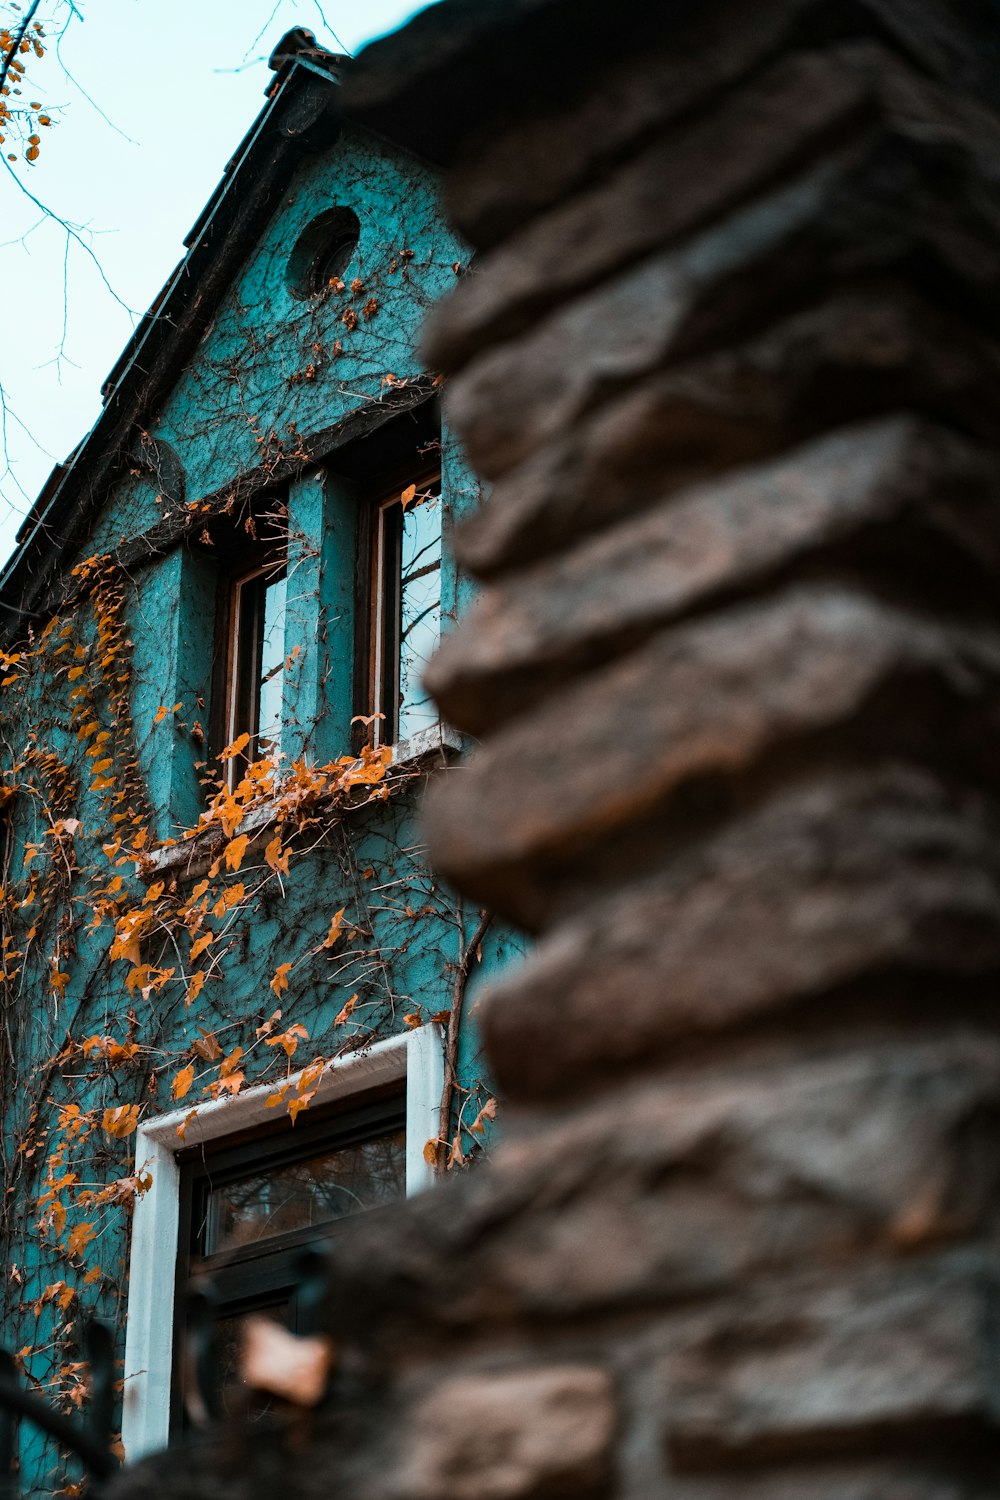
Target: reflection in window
x,y
301,1194
257,655
406,609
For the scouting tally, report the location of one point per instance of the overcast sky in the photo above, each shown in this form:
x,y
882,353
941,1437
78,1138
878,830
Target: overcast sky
x,y
174,85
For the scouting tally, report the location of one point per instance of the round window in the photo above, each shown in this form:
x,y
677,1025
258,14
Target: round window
x,y
323,252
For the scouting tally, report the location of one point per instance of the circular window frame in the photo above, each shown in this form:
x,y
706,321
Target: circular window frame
x,y
323,252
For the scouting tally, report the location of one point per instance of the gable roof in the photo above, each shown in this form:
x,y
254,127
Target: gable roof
x,y
301,114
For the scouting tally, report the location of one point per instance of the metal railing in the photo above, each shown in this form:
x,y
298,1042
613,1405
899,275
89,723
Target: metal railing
x,y
89,1439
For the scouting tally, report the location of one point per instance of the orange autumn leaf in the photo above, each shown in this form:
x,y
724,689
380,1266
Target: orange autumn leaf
x,y
122,1121
206,1047
230,896
336,926
312,1074
198,948
431,1152
280,980
195,987
237,745
182,1082
342,1015
298,1104
231,1084
79,1238
487,1112
235,850
408,495
276,857
289,1039
229,1062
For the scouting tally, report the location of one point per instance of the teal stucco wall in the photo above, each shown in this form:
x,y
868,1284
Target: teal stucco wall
x,y
109,715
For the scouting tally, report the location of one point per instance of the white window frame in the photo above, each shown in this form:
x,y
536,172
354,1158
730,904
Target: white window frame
x,y
417,1057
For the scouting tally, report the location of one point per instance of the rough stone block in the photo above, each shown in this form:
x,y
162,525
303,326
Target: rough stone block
x,y
804,104
700,703
525,1434
884,206
883,488
690,1185
505,177
772,127
855,355
855,875
883,1359
964,1475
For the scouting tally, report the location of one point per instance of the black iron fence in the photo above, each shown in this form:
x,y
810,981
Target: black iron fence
x,y
89,1438
92,1438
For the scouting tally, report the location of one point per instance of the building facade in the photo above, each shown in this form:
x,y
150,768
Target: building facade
x,y
233,993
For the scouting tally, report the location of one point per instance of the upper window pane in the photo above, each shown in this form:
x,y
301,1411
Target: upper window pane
x,y
302,1194
420,611
257,655
406,609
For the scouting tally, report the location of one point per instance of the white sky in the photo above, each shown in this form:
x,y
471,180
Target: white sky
x,y
179,82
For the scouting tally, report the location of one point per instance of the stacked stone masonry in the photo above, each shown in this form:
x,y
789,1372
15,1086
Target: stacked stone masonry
x,y
728,359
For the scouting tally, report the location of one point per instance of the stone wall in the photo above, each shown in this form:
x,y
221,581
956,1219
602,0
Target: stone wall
x,y
728,359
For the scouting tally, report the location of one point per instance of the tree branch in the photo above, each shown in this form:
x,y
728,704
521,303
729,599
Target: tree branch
x,y
459,987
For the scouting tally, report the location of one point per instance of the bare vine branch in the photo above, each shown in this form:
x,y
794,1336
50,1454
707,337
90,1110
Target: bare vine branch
x,y
463,968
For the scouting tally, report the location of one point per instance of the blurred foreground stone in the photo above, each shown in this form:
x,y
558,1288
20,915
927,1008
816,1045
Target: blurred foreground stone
x,y
728,359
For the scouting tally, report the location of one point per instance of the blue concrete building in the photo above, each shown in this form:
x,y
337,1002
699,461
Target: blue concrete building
x,y
236,1004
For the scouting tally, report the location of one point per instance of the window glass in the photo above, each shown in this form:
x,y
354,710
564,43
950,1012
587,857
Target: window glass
x,y
300,1194
420,612
406,609
272,663
257,652
232,1389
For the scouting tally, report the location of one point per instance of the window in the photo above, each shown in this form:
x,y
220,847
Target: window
x,y
405,608
251,1193
256,658
249,1209
323,252
249,554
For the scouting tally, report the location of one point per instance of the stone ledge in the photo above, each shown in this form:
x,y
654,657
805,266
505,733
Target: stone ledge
x,y
191,858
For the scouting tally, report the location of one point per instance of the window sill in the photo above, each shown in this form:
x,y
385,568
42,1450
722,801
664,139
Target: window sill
x,y
190,858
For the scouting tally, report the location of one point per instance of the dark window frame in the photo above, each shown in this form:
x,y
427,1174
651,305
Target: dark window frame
x,y
259,1275
238,555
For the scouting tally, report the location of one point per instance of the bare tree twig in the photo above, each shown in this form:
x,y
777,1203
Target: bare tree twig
x,y
15,45
459,987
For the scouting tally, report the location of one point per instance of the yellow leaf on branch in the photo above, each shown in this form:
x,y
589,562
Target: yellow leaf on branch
x,y
182,1082
280,980
343,1015
121,1122
235,850
336,926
